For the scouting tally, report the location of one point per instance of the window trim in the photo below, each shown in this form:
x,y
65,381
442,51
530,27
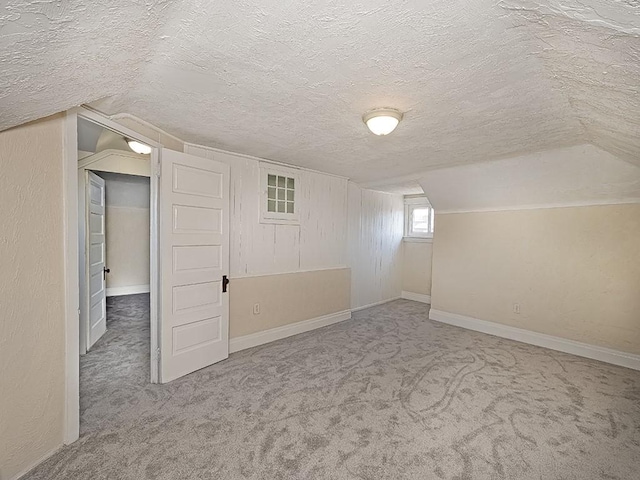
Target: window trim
x,y
410,204
279,218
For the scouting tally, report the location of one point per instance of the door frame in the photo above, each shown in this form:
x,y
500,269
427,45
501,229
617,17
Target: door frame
x,y
71,258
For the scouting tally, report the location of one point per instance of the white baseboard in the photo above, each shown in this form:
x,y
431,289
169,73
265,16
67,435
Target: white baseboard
x,y
36,463
603,354
375,304
417,297
266,336
131,290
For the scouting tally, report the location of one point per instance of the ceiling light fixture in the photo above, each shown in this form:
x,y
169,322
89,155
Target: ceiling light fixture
x,y
138,147
382,121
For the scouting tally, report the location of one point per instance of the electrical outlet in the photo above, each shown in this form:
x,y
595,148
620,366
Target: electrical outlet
x,y
256,309
516,308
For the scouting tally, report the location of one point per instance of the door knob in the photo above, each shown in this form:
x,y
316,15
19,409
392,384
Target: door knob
x,y
105,270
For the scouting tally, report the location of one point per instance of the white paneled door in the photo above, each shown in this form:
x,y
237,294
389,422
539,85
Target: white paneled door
x,y
96,247
194,256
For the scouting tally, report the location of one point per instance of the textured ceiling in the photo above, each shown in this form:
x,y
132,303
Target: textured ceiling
x,y
478,79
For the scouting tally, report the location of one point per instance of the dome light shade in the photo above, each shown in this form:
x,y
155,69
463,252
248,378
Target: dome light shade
x,y
382,121
138,147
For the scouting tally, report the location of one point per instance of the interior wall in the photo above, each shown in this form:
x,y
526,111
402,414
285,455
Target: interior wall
x,y
416,266
318,242
575,272
307,295
127,233
376,226
32,332
260,253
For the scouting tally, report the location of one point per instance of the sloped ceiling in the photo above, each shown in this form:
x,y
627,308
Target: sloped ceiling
x,y
579,175
591,48
477,79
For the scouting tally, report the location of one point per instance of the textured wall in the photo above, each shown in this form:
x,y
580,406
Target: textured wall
x,y
127,230
376,225
416,267
31,294
574,271
286,298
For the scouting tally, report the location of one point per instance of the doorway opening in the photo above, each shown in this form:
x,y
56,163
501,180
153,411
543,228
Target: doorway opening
x,y
189,210
115,258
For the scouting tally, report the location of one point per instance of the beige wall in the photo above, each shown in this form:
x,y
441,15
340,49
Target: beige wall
x,y
127,231
127,246
416,267
574,271
286,298
31,294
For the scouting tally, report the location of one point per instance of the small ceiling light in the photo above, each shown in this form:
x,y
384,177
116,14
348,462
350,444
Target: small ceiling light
x,y
138,147
382,121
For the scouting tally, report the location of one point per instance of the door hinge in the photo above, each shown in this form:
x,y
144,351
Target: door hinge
x,y
158,353
158,169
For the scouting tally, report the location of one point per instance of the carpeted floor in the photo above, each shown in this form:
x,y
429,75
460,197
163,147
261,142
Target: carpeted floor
x,y
387,395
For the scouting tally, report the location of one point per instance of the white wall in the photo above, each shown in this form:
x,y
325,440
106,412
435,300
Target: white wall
x,y
376,223
127,233
320,241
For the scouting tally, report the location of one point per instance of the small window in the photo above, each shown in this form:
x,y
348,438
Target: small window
x,y
419,217
280,194
279,203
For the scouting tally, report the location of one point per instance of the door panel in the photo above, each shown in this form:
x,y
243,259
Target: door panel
x,y
197,298
95,202
196,334
197,259
96,253
96,283
195,181
189,219
194,249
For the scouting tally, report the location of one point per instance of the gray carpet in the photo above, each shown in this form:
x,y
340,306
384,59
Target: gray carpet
x,y
387,395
